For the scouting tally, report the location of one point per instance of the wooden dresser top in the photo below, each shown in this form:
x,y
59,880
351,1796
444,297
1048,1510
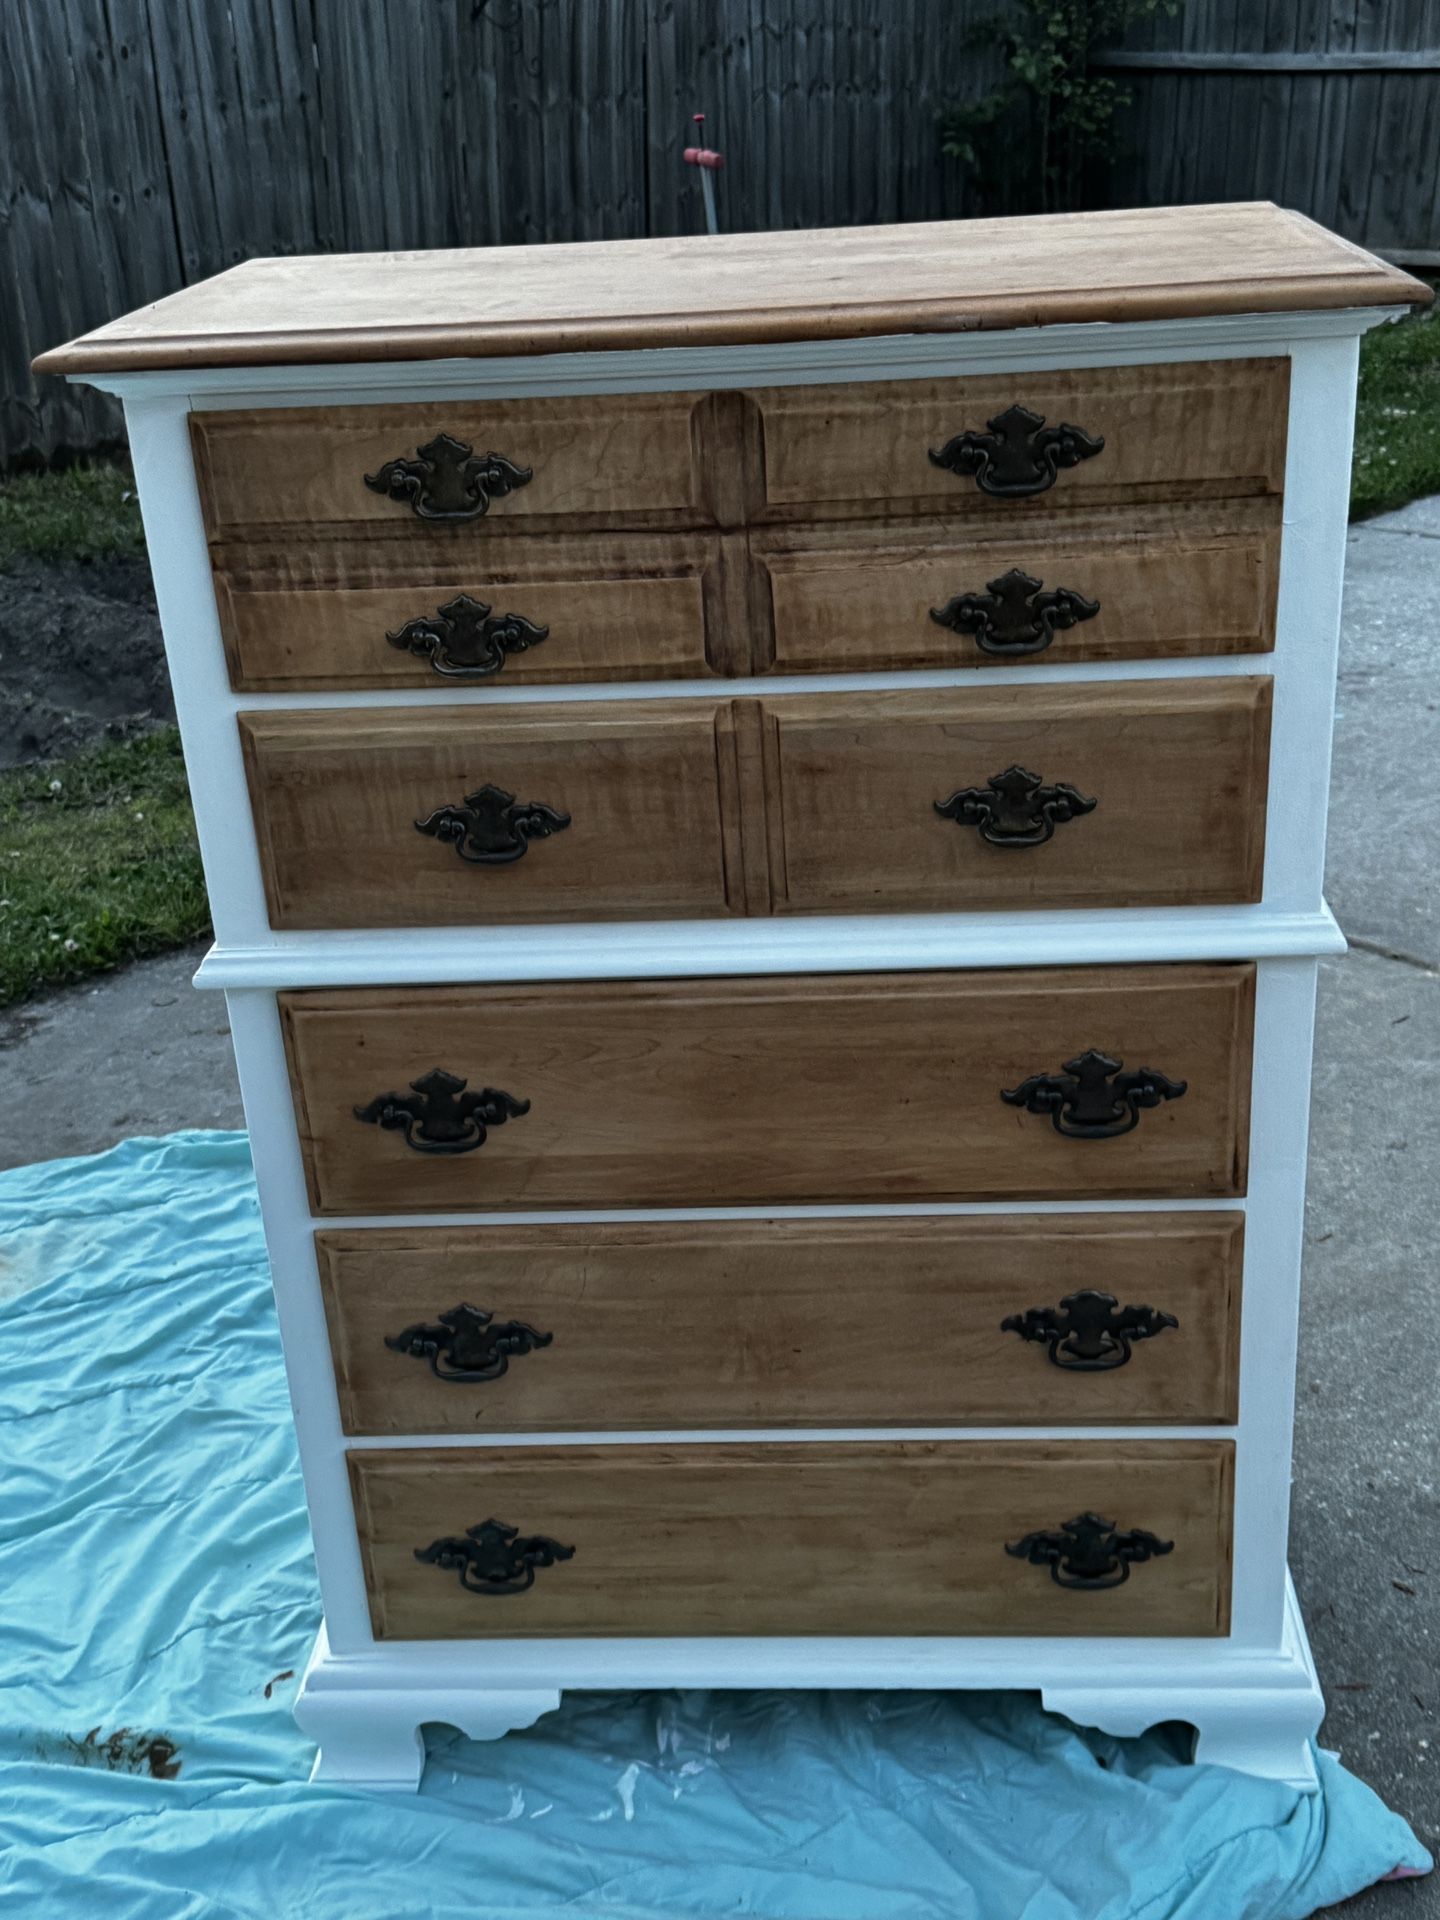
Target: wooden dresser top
x,y
727,289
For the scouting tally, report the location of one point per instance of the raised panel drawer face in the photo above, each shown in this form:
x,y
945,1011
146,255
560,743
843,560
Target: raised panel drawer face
x,y
1147,793
840,1087
348,613
777,1323
597,458
868,1537
1201,427
1110,585
431,612
443,817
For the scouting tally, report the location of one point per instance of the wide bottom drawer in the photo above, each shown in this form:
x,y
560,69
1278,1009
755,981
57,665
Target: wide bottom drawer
x,y
856,1538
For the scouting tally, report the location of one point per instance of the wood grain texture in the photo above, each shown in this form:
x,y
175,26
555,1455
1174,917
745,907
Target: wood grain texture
x,y
1169,580
778,1323
860,1087
611,456
648,787
943,276
821,597
1204,424
315,614
863,1537
800,804
1177,770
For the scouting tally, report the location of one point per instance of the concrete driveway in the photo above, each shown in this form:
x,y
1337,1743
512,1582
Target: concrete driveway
x,y
141,1053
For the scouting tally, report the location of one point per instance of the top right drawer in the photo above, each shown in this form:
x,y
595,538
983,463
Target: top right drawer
x,y
1084,436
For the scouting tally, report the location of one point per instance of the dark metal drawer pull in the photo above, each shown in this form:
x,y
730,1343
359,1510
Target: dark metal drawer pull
x,y
1089,1332
1013,808
1092,1099
466,1344
1014,616
448,480
1088,1553
492,828
493,1558
463,641
439,1116
1019,455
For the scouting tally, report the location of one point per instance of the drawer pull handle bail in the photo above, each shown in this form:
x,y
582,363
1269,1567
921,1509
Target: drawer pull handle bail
x,y
1019,455
448,480
437,1115
493,1558
466,1344
463,640
1092,1099
1088,1553
1016,615
1014,808
1089,1332
490,828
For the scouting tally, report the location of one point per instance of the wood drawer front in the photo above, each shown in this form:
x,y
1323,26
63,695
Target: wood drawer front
x,y
863,1537
778,1323
525,611
831,1088
1176,770
1211,427
337,798
601,457
860,598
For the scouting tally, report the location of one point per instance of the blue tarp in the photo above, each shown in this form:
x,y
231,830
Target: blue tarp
x,y
157,1600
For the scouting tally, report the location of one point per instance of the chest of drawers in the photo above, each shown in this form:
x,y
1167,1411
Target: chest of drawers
x,y
764,807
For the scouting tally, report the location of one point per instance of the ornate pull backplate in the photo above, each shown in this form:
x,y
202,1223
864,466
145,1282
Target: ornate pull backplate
x,y
466,1344
1089,1553
1092,1099
1015,615
463,641
492,827
493,1558
437,1115
1089,1332
1019,454
1014,809
448,480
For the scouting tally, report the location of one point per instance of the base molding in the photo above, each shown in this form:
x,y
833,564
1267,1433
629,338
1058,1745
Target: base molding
x,y
1254,1710
370,1736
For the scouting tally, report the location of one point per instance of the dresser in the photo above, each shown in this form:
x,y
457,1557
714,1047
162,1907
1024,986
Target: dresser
x,y
763,800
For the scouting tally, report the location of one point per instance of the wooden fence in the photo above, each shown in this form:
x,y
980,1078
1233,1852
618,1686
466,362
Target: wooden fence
x,y
148,143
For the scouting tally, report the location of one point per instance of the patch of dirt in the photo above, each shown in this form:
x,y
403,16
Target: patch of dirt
x,y
127,1750
80,657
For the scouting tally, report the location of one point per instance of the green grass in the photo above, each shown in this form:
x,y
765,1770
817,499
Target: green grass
x,y
84,512
1397,421
98,864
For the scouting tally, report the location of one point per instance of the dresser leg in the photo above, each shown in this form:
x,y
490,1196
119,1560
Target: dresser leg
x,y
1262,1731
372,1737
367,1718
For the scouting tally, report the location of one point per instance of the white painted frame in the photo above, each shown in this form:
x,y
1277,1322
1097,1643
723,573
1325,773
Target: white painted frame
x,y
1253,1695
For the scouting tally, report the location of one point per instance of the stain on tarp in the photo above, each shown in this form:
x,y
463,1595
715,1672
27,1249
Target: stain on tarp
x,y
127,1750
270,1685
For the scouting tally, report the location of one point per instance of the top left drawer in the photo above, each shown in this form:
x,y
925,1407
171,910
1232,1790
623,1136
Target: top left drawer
x,y
445,466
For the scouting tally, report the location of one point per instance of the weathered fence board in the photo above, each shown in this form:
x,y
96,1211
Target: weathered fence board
x,y
144,143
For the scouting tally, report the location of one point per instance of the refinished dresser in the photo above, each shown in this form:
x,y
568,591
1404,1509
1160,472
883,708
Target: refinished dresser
x,y
764,803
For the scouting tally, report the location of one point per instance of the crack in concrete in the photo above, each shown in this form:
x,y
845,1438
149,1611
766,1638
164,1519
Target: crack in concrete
x,y
1397,954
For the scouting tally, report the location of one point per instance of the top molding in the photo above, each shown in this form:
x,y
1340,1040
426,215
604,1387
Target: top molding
x,y
843,283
